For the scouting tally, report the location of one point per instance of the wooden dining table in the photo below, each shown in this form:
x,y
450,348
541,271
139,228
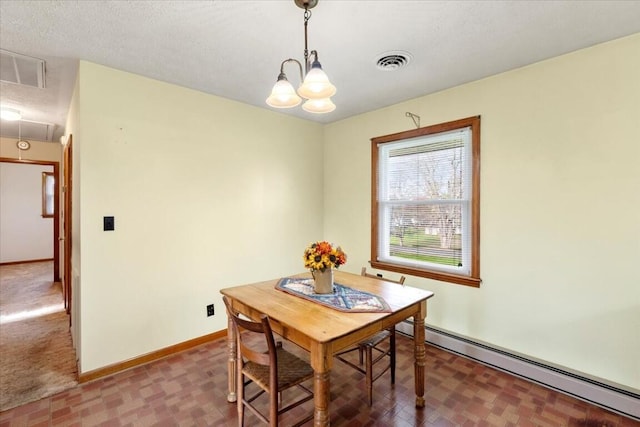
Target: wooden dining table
x,y
323,331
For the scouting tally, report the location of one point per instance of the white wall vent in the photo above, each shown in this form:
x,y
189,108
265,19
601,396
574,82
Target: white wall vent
x,y
21,69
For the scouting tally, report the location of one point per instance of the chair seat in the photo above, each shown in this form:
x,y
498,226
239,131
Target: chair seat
x,y
291,371
374,340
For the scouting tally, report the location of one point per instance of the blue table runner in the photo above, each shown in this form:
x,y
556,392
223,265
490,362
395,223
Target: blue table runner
x,y
343,298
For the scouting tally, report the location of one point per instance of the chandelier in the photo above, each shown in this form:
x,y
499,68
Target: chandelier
x,y
315,88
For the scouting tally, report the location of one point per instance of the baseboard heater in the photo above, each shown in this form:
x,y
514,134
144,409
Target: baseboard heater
x,y
614,398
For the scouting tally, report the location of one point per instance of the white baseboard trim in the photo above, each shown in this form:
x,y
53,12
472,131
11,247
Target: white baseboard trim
x,y
612,397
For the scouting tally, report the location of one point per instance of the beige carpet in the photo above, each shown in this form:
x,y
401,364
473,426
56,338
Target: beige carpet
x,y
37,358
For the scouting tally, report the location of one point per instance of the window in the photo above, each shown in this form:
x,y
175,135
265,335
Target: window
x,y
426,202
48,187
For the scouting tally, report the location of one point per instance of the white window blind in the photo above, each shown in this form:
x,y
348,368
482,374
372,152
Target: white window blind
x,y
424,202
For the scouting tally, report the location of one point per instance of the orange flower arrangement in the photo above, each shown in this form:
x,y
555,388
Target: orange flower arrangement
x,y
322,255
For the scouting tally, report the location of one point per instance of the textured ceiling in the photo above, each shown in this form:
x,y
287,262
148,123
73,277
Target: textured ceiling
x,y
233,48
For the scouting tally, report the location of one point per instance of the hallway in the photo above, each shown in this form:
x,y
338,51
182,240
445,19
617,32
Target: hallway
x,y
38,359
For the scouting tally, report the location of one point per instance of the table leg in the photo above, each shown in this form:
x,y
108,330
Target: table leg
x,y
419,352
231,363
321,361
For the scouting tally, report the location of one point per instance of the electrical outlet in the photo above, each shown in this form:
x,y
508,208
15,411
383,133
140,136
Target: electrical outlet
x,y
210,311
108,223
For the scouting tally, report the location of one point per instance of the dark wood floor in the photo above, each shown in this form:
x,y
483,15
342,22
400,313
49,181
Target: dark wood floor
x,y
189,389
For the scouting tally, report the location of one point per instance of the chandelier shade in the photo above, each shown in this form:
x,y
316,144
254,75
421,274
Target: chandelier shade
x,y
283,95
320,106
316,84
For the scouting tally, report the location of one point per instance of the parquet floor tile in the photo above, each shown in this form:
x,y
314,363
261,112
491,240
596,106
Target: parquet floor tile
x,y
189,389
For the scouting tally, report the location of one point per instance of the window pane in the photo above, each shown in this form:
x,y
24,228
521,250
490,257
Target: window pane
x,y
425,233
48,187
425,175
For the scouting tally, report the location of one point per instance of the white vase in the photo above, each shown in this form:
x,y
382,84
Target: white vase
x,y
323,281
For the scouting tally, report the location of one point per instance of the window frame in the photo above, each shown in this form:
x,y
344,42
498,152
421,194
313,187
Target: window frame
x,y
473,279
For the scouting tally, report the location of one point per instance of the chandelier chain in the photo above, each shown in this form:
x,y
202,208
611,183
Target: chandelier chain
x,y
307,16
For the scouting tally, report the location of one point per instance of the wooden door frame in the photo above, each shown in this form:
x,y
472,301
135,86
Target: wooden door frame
x,y
56,207
66,214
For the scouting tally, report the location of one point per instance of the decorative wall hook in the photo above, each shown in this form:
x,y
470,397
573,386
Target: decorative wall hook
x,y
413,117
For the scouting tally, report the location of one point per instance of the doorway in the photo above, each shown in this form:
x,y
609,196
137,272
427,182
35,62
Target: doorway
x,y
66,215
54,167
36,346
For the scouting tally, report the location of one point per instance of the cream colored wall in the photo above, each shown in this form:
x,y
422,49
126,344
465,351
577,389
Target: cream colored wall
x,y
207,193
40,150
560,202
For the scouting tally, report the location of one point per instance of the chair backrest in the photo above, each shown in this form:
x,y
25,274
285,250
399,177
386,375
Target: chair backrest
x,y
379,276
253,350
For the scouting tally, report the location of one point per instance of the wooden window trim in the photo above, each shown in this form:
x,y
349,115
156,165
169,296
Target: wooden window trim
x,y
474,278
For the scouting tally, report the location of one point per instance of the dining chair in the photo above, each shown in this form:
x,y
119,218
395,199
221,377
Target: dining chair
x,y
374,345
273,370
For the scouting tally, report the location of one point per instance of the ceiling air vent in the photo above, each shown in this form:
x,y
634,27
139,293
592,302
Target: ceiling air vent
x,y
391,61
21,69
28,129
